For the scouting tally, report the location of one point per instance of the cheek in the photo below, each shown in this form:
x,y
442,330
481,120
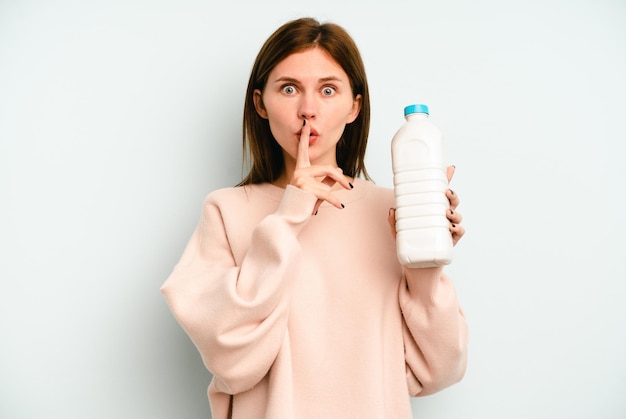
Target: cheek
x,y
282,136
345,113
276,117
277,128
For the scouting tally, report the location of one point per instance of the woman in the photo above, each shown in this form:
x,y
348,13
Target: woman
x,y
290,286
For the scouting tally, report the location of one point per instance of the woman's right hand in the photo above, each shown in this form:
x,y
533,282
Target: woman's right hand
x,y
307,177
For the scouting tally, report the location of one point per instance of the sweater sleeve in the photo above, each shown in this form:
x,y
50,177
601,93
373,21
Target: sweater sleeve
x,y
435,331
236,316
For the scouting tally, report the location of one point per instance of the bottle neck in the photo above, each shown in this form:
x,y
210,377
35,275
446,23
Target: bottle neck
x,y
416,116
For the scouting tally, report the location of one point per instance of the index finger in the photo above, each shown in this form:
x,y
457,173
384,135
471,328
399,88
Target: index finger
x,y
302,159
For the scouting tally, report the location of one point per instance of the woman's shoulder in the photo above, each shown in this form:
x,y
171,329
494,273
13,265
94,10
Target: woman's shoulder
x,y
375,190
246,193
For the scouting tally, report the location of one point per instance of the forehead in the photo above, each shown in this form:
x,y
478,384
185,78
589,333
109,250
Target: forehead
x,y
311,63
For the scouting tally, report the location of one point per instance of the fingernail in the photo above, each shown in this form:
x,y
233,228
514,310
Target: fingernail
x,y
351,185
343,206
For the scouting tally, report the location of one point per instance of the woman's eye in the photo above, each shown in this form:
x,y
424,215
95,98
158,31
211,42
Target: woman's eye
x,y
289,90
328,91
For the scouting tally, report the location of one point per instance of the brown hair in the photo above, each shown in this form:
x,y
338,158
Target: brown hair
x,y
259,146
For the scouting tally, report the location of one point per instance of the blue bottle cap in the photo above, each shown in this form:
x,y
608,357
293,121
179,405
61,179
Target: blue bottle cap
x,y
415,109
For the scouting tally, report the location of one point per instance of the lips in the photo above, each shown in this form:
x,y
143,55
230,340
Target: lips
x,y
313,133
312,137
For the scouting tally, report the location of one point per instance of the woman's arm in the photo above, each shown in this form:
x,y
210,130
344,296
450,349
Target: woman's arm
x,y
237,315
435,332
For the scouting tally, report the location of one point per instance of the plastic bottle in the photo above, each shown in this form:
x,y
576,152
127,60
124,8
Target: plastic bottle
x,y
420,182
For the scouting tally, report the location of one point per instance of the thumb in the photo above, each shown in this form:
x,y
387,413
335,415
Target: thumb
x,y
450,172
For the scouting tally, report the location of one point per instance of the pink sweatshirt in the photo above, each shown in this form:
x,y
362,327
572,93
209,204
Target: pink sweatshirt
x,y
308,317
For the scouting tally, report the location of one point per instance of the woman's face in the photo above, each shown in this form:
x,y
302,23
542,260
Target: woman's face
x,y
308,85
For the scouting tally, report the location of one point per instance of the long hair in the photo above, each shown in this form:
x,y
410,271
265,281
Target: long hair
x,y
260,148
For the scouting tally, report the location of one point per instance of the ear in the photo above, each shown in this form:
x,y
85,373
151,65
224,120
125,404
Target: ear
x,y
356,108
258,103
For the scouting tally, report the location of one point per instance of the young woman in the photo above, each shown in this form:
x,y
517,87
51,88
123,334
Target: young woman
x,y
290,286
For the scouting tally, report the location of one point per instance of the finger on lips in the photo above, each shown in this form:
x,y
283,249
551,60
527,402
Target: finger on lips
x,y
303,146
318,179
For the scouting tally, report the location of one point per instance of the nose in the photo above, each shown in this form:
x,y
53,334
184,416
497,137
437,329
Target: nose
x,y
308,106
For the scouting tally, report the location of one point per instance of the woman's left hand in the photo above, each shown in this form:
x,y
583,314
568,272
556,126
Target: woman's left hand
x,y
453,215
456,229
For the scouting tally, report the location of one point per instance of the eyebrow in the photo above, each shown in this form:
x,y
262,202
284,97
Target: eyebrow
x,y
322,80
